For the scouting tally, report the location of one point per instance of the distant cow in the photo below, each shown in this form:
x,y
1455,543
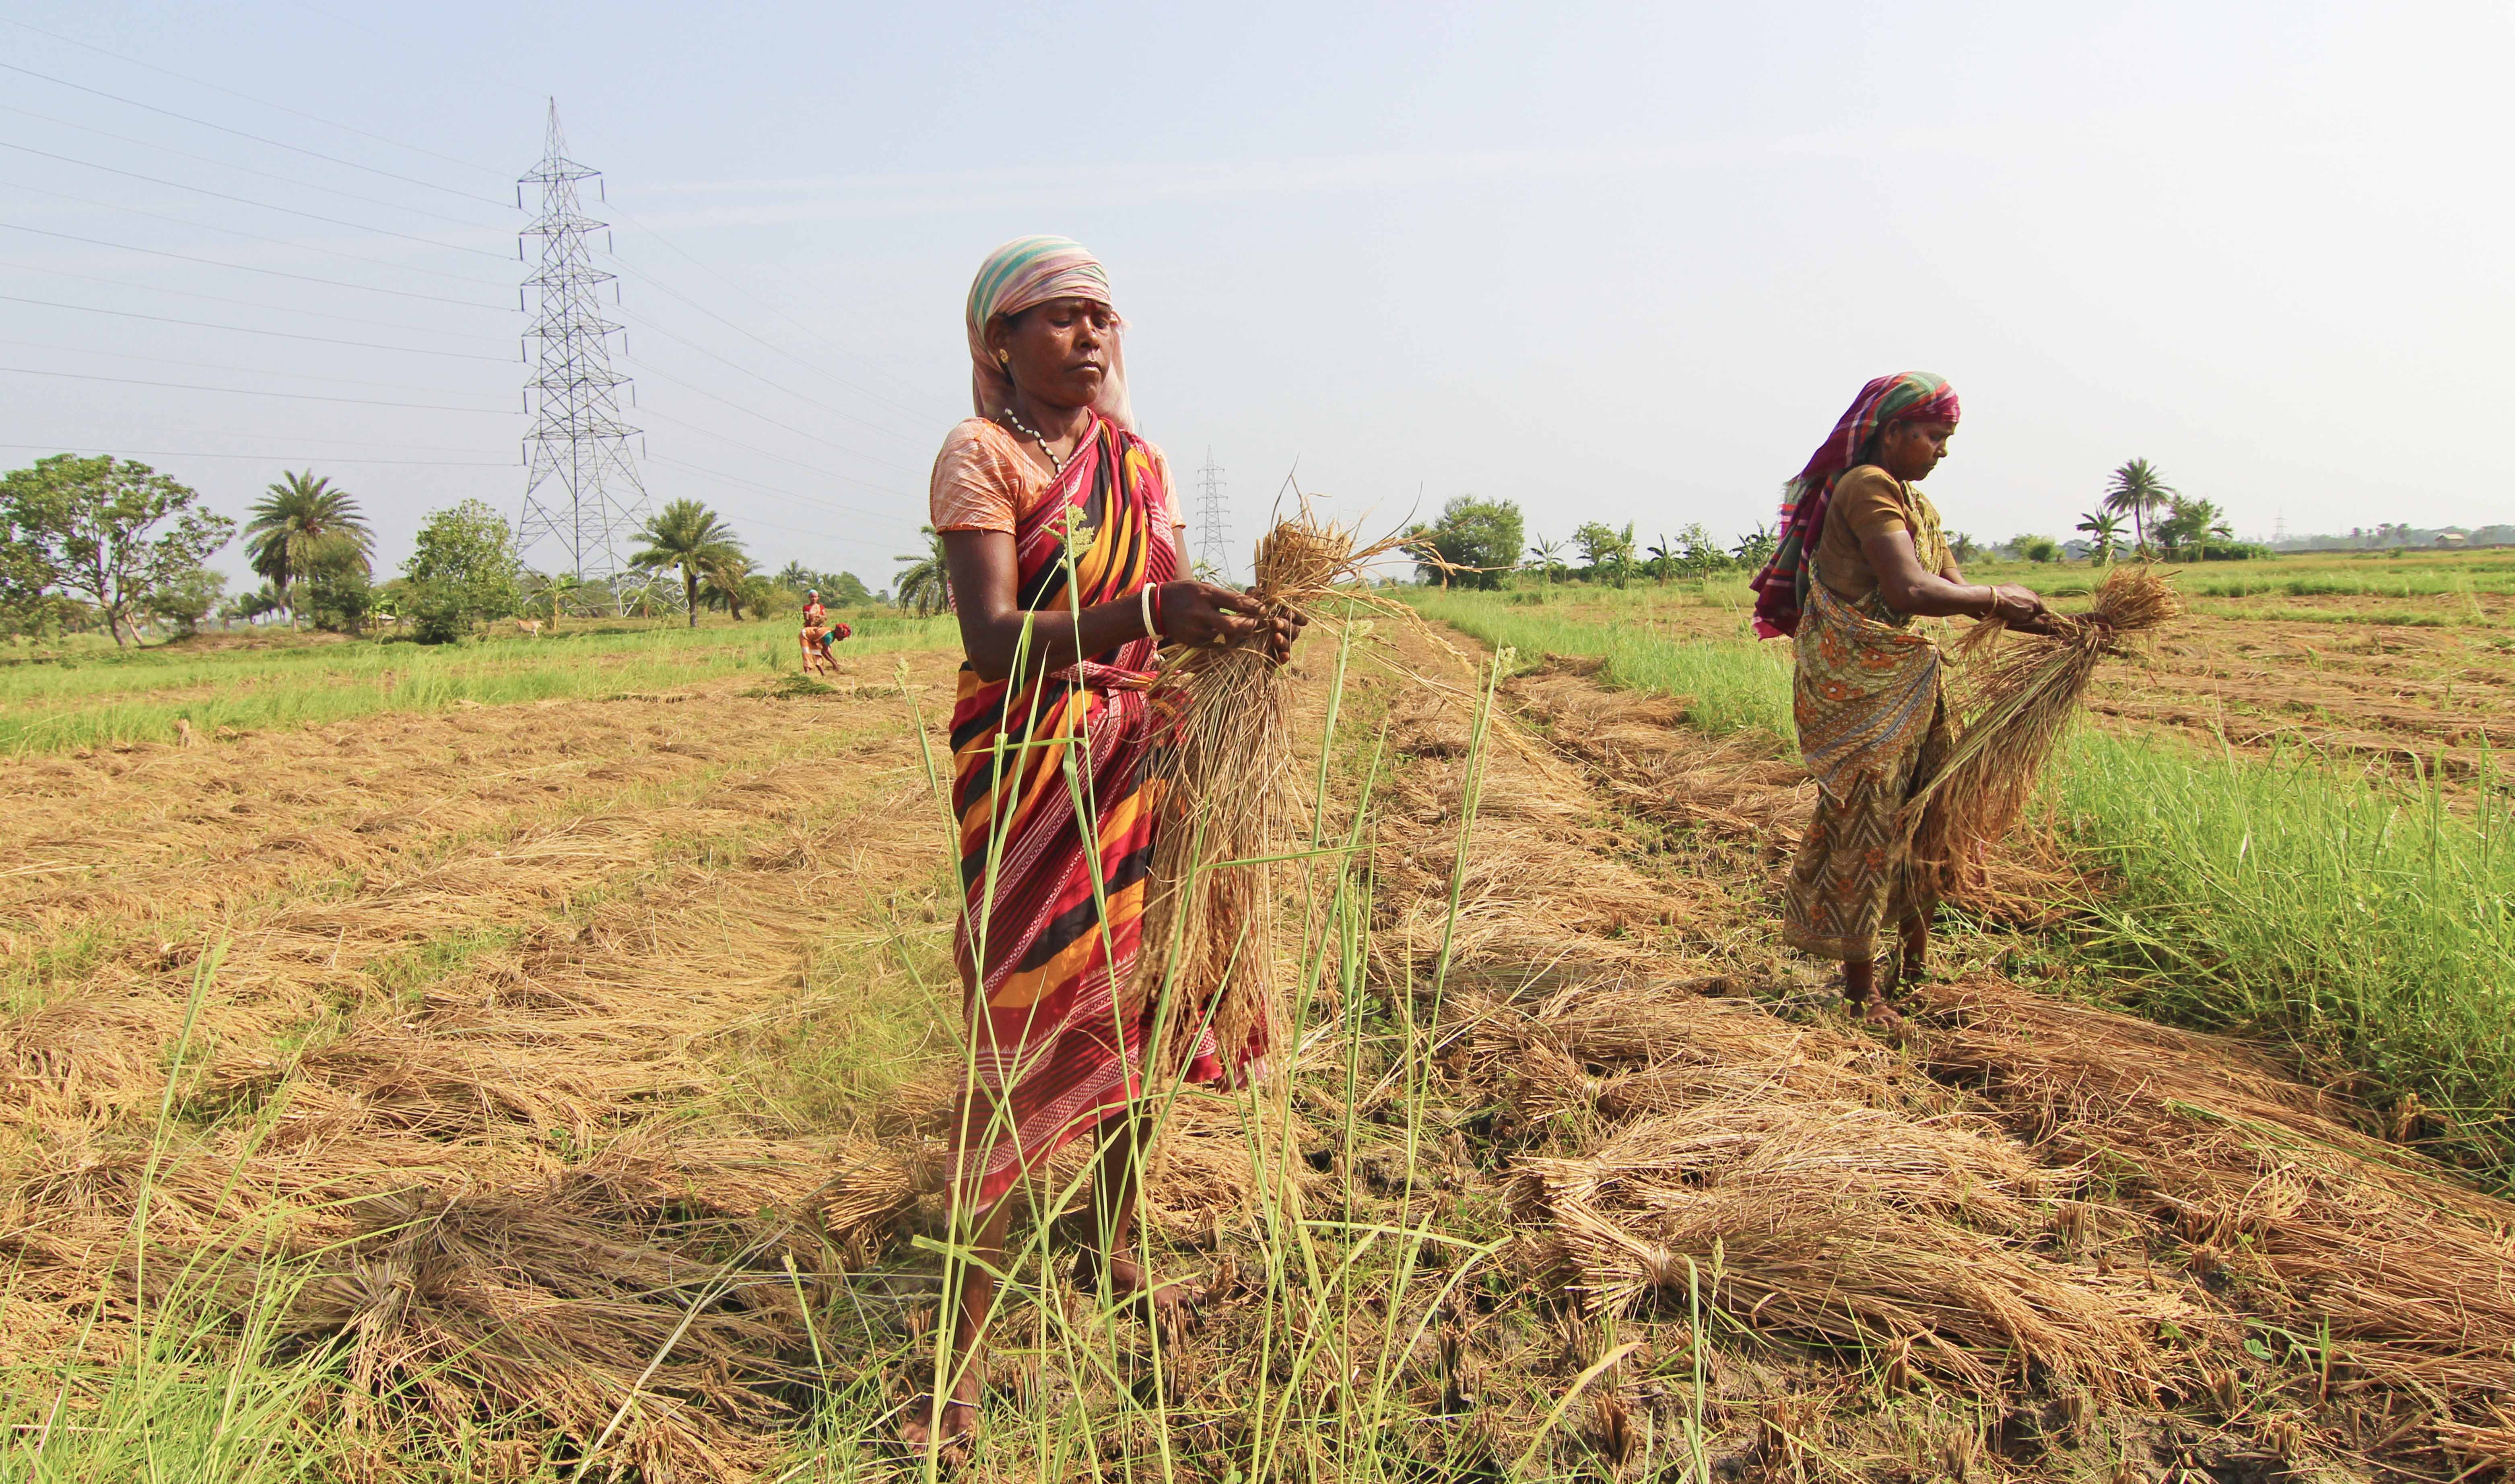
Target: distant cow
x,y
529,628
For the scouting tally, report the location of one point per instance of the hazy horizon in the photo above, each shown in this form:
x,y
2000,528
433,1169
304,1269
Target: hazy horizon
x,y
1619,263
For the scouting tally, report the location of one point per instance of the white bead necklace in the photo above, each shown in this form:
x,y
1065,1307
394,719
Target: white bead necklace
x,y
1039,437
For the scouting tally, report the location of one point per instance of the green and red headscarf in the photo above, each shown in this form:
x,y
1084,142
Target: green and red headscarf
x,y
1908,396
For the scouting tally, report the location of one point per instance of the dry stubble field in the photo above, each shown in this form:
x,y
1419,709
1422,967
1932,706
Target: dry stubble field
x,y
547,1091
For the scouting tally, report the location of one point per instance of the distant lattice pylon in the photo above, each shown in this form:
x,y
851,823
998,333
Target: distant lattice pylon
x,y
1212,524
583,492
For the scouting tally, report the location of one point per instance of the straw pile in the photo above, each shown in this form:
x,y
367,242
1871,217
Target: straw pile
x,y
2342,1234
2019,703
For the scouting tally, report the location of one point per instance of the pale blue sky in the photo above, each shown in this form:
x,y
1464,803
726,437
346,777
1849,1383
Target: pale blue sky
x,y
1613,262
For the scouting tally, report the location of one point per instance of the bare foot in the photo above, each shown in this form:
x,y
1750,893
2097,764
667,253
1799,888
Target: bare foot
x,y
958,1429
1879,1014
1171,1305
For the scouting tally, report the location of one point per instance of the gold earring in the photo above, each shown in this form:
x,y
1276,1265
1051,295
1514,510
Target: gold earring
x,y
1004,358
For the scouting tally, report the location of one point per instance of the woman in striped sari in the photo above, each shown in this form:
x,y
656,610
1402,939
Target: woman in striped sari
x,y
1064,547
1861,556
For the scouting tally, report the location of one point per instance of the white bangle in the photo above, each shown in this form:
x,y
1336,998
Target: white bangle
x,y
1152,630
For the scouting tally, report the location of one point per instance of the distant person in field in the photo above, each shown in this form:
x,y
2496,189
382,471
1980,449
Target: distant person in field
x,y
1048,503
820,635
1861,556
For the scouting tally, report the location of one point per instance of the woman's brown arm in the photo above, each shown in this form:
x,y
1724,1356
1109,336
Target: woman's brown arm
x,y
986,585
1908,587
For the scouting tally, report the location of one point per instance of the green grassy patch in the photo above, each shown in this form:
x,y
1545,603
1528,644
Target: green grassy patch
x,y
88,699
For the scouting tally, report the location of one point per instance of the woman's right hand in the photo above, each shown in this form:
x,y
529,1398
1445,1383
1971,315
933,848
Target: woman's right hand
x,y
2017,607
1203,615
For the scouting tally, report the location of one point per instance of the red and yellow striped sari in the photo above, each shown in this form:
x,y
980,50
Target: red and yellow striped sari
x,y
1057,822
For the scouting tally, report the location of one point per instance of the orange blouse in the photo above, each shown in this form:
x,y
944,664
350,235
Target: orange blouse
x,y
984,481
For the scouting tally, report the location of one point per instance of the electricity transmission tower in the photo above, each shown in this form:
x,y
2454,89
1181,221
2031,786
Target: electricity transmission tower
x,y
583,491
1213,525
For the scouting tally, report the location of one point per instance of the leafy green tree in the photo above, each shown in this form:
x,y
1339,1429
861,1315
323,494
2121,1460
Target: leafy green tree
x,y
1606,551
689,536
2036,547
925,586
462,571
2137,490
185,599
844,589
1961,547
250,607
339,597
301,524
28,603
1698,552
2191,524
89,529
1476,542
2104,534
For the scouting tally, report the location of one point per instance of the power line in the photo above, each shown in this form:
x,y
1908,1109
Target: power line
x,y
338,283
452,247
753,412
644,323
211,365
249,304
291,437
771,489
300,396
304,247
408,180
179,453
729,282
381,139
809,468
211,159
633,272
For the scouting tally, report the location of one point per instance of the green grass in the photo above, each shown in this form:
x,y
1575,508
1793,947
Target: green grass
x,y
1729,686
83,698
2364,923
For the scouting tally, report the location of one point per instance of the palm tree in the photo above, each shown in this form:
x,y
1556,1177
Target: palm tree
x,y
2137,489
1550,555
302,523
1663,559
2104,531
730,585
692,537
925,587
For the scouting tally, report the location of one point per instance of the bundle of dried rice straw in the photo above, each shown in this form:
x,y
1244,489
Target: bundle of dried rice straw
x,y
2019,699
1227,802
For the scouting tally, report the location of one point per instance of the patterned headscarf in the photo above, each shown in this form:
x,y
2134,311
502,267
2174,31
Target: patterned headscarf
x,y
1909,396
1025,273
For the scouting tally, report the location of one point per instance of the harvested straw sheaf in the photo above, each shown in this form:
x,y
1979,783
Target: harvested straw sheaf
x,y
1228,806
2017,703
2413,1275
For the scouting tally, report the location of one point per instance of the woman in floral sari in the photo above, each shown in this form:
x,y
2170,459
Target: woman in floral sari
x,y
1861,556
1063,547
